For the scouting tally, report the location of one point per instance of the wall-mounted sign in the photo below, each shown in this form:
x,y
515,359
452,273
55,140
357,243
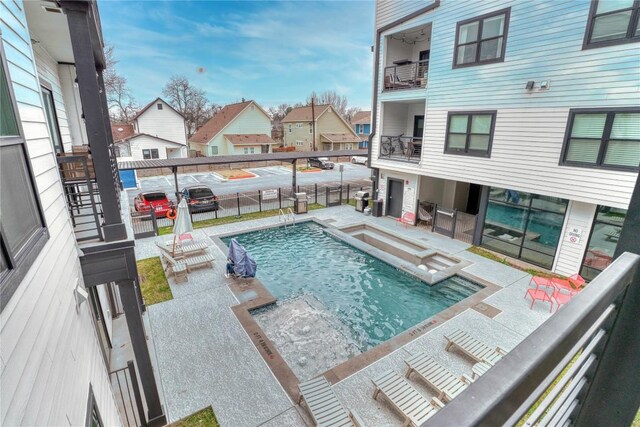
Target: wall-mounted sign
x,y
574,235
269,194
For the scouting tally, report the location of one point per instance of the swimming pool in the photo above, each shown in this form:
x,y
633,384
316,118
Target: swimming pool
x,y
375,300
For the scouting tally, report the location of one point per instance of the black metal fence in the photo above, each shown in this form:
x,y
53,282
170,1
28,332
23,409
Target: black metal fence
x,y
124,383
448,222
239,204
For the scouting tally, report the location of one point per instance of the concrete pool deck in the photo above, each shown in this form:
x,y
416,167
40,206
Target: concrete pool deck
x,y
205,357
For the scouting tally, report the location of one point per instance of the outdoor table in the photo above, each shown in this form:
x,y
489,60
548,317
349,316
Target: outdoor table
x,y
563,283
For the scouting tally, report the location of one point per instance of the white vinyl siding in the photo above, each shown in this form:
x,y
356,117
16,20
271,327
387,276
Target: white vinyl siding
x,y
249,121
49,352
569,254
143,142
165,124
530,125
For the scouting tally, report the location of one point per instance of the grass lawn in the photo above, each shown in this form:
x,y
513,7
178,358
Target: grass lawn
x,y
232,219
503,260
202,418
153,282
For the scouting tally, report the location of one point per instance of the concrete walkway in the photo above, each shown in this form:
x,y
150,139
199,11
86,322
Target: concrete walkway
x,y
204,357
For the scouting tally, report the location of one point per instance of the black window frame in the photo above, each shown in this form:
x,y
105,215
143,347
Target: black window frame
x,y
18,265
47,87
150,151
159,106
629,38
604,140
480,19
91,405
470,114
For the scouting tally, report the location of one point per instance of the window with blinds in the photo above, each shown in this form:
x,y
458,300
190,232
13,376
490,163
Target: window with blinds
x,y
470,133
613,22
608,139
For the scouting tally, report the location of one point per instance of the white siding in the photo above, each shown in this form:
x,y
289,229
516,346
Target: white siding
x,y
165,123
49,352
73,105
252,120
569,255
146,142
388,11
544,43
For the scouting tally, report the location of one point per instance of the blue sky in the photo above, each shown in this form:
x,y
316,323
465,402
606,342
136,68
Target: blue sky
x,y
272,52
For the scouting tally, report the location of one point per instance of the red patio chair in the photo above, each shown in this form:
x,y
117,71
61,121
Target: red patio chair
x,y
577,281
407,218
561,295
539,281
542,292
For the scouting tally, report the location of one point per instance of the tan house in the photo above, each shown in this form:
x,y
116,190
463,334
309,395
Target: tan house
x,y
240,128
332,131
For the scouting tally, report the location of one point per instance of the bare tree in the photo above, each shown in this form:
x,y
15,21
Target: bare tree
x,y
339,102
351,113
190,101
122,105
277,113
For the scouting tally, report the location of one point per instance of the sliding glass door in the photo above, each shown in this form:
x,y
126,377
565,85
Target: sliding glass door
x,y
603,241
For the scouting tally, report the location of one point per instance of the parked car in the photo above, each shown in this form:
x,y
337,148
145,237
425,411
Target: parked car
x,y
359,160
156,200
320,162
200,198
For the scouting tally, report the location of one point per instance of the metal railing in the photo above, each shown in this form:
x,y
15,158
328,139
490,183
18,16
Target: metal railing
x,y
409,75
567,348
124,383
405,148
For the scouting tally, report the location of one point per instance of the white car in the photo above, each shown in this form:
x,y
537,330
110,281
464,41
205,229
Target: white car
x,y
359,160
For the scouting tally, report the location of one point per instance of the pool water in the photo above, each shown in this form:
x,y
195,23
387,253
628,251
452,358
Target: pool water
x,y
548,225
373,299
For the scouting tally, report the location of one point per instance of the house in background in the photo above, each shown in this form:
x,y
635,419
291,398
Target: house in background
x,y
70,312
158,131
361,123
241,128
332,131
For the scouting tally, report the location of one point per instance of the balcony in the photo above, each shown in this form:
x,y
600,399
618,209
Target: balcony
x,y
405,74
406,61
402,130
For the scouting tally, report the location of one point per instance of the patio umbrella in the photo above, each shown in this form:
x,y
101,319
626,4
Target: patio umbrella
x,y
182,223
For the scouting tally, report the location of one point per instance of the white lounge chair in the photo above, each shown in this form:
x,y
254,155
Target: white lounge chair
x,y
187,249
205,260
473,348
175,268
324,406
413,406
436,376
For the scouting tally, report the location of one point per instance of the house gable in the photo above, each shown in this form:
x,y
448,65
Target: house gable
x,y
161,120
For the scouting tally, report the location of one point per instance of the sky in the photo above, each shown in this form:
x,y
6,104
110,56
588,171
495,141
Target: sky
x,y
269,51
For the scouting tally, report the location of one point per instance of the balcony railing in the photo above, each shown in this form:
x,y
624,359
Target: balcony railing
x,y
406,75
567,348
403,148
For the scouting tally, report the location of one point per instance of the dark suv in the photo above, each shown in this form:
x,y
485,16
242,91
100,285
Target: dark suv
x,y
200,198
320,162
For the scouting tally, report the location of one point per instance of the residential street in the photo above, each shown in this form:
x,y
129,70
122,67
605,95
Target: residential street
x,y
267,177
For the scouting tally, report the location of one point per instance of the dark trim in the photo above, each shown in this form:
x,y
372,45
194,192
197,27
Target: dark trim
x,y
151,136
482,212
478,42
19,266
376,76
469,114
586,247
91,403
629,38
47,86
146,107
604,140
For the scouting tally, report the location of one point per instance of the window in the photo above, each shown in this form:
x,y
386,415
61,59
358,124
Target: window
x,y
252,150
612,22
348,146
22,228
603,138
289,127
299,125
52,120
470,133
481,40
603,240
159,105
523,225
150,153
310,128
246,151
214,150
299,143
93,414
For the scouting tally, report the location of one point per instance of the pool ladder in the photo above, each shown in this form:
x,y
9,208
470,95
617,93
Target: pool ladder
x,y
286,217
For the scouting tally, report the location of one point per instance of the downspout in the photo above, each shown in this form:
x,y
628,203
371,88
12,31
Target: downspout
x,y
376,72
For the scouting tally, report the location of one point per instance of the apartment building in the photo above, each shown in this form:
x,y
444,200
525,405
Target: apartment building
x,y
332,131
67,265
526,114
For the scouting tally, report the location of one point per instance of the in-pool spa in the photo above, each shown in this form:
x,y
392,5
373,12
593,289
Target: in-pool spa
x,y
372,299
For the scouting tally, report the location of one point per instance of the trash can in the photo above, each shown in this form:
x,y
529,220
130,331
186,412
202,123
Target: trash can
x,y
301,203
362,200
377,208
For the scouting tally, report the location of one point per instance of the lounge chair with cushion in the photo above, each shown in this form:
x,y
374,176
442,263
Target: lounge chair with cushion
x,y
324,406
473,348
436,376
413,406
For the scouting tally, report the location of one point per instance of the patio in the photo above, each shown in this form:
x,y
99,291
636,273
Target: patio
x,y
204,357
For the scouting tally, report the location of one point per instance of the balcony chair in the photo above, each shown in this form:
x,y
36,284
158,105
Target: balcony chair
x,y
324,406
542,291
473,348
562,292
436,376
405,399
